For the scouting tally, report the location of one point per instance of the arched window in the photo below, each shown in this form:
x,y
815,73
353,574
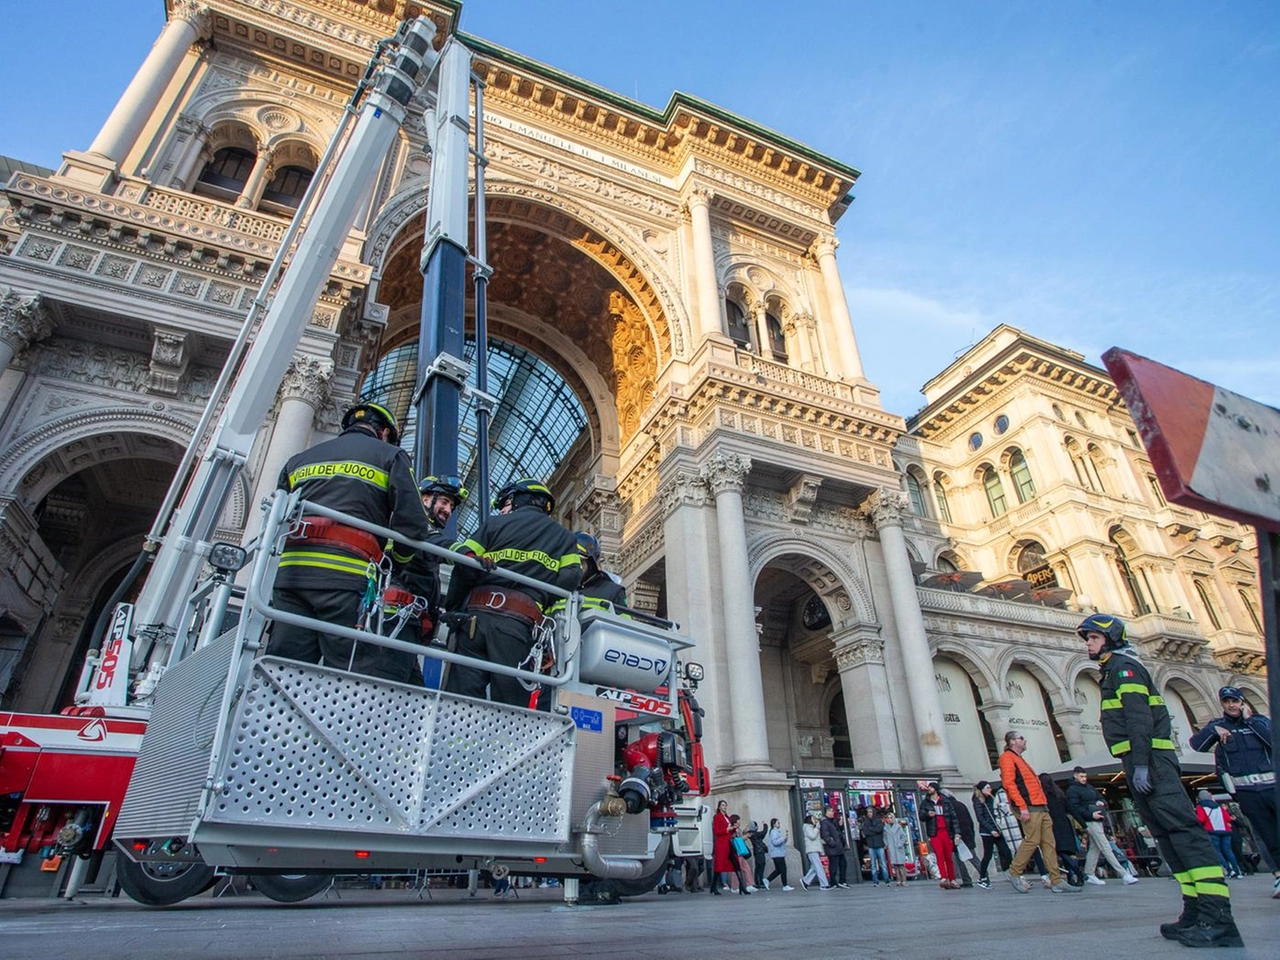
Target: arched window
x,y
777,339
739,330
1249,607
995,492
946,565
288,186
229,169
1156,493
1031,556
1131,585
916,495
940,497
1094,462
1083,475
1202,591
1023,485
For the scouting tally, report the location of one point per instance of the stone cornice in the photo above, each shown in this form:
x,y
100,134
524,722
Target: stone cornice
x,y
668,139
1019,360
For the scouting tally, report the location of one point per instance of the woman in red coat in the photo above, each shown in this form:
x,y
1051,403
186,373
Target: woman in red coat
x,y
722,831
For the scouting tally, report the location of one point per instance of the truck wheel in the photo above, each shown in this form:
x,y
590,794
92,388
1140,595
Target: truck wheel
x,y
655,870
162,884
290,887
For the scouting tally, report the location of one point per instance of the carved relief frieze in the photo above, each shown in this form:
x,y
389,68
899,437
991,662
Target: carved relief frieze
x,y
82,365
753,187
643,546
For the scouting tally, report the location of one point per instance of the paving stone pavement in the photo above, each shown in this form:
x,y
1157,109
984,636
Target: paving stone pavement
x,y
919,921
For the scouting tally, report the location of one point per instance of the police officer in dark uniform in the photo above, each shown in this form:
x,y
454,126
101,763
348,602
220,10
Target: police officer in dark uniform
x,y
328,570
420,579
1138,730
522,539
1241,743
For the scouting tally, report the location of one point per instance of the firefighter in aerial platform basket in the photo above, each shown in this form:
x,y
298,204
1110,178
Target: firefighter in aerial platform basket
x,y
498,618
331,571
411,603
1137,728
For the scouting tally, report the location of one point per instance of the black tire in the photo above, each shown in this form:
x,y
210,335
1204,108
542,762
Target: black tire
x,y
162,884
290,887
655,870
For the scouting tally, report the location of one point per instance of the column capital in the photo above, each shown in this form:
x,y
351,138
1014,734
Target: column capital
x,y
858,651
824,247
194,12
683,488
24,317
307,379
699,196
887,507
726,472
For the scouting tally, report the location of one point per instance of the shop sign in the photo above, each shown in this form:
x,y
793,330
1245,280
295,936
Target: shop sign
x,y
870,785
1042,576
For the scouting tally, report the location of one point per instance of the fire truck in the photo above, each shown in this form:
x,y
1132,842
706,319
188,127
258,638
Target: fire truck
x,y
198,756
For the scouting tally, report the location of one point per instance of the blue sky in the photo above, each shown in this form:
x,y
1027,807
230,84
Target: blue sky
x,y
1096,173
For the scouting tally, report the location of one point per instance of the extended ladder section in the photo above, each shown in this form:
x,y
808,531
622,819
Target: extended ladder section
x,y
254,762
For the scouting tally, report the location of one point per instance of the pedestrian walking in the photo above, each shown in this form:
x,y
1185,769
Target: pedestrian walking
x,y
1065,841
1022,787
1086,804
813,853
778,838
938,815
993,841
834,846
873,834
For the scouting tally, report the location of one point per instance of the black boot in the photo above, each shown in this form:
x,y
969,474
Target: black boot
x,y
1214,926
1190,912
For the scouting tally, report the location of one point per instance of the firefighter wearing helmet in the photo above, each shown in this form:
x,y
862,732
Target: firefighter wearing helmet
x,y
326,566
1138,730
418,583
499,617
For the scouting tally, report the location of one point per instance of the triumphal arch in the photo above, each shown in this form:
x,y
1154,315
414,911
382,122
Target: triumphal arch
x,y
676,356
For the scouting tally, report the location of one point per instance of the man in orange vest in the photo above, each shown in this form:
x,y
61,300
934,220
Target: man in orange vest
x,y
1023,789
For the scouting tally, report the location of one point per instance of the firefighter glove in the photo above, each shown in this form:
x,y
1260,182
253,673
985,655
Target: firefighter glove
x,y
1141,780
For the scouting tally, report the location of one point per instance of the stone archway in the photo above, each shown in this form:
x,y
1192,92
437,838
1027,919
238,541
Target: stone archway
x,y
85,504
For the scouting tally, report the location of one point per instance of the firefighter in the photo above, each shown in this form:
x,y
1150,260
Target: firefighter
x,y
329,571
1138,730
499,617
419,580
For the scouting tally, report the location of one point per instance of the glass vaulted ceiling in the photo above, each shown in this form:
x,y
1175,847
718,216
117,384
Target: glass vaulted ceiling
x,y
537,421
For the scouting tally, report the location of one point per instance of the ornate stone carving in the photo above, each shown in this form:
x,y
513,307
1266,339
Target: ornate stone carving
x,y
859,652
887,507
194,12
801,498
683,488
24,318
307,379
726,472
169,358
699,196
824,246
98,366
818,672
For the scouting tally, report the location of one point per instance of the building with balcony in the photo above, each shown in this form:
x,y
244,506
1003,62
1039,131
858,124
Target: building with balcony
x,y
673,350
1032,500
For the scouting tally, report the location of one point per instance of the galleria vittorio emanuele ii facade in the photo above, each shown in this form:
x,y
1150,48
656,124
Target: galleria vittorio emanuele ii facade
x,y
873,597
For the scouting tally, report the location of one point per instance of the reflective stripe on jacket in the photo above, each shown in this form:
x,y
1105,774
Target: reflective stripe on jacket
x,y
360,475
1135,720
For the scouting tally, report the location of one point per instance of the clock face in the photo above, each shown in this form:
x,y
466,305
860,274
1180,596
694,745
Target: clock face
x,y
815,615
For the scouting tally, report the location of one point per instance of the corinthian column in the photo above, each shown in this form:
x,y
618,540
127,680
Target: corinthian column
x,y
704,263
186,23
887,508
726,475
849,362
24,319
305,388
